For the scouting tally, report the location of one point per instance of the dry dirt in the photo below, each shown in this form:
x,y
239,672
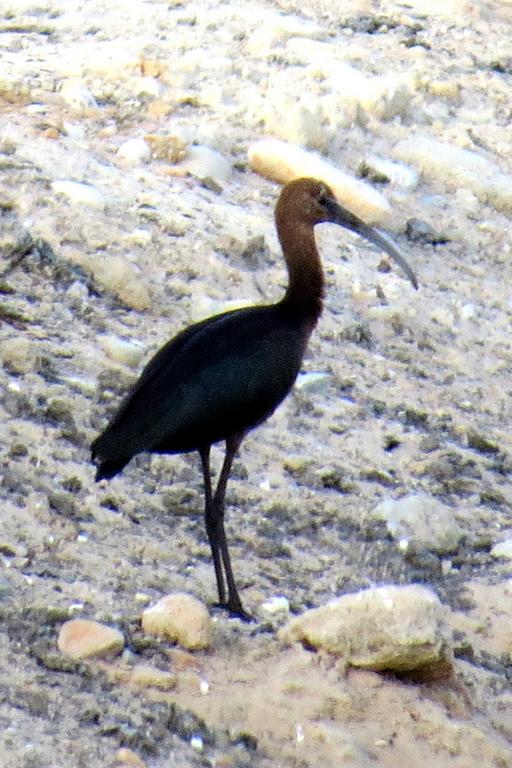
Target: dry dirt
x,y
416,397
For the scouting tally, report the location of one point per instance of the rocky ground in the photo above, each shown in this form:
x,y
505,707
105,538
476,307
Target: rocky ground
x,y
151,107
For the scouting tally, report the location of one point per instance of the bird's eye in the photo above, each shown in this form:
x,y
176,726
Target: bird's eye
x,y
323,196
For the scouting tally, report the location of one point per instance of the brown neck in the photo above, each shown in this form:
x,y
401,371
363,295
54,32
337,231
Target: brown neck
x,y
306,280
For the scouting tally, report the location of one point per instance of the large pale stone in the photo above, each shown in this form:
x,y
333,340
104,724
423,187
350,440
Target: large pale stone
x,y
283,162
180,618
84,639
458,168
422,520
398,628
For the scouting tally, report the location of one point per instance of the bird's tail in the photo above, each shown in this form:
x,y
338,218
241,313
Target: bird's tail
x,y
106,468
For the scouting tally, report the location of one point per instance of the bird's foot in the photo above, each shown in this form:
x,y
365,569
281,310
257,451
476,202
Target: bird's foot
x,y
235,610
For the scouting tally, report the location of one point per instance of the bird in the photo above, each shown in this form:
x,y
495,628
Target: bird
x,y
221,377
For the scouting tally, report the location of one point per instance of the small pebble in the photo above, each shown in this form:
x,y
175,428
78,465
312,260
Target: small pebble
x,y
196,743
78,96
134,152
122,351
503,549
180,618
80,194
205,163
84,639
130,758
276,605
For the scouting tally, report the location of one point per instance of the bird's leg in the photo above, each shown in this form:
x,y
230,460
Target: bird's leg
x,y
210,519
233,604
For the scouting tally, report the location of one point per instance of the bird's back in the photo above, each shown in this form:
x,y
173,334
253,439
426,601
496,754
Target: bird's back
x,y
217,378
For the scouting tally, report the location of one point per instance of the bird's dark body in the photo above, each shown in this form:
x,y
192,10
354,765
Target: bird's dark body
x,y
219,377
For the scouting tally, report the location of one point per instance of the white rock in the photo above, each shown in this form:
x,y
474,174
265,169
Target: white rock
x,y
503,549
180,618
468,311
421,520
75,131
276,605
206,163
282,162
458,168
146,86
80,194
399,175
399,628
138,236
122,350
134,152
196,742
315,381
77,95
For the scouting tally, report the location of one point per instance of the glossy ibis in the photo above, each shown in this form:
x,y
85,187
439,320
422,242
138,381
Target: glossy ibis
x,y
220,378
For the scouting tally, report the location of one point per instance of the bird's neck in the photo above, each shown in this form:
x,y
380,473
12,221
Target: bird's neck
x,y
306,280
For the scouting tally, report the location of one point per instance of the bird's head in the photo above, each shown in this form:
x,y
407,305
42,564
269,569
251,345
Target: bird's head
x,y
310,201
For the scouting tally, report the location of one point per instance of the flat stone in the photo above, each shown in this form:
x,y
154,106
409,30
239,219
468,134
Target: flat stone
x,y
395,628
85,639
147,676
283,162
180,618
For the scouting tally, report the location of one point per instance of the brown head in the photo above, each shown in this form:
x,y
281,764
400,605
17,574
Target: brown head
x,y
306,202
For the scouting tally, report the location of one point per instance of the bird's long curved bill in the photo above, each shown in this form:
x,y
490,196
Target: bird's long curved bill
x,y
347,219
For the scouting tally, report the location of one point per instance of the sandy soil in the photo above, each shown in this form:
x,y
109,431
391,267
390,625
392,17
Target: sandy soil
x,y
425,374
